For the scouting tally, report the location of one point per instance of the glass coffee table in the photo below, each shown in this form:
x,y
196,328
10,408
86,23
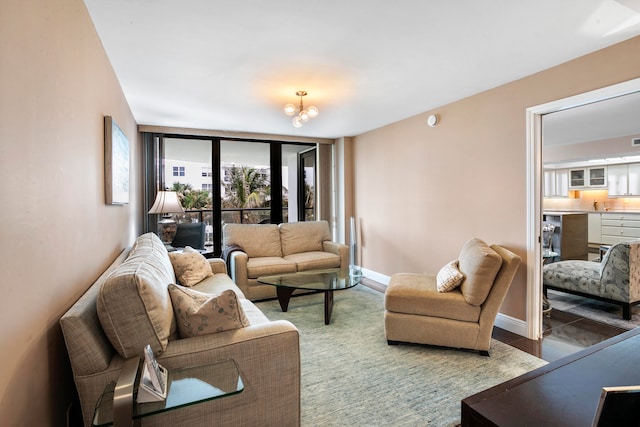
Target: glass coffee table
x,y
327,281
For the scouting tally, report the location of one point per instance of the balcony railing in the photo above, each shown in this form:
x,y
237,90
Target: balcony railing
x,y
235,216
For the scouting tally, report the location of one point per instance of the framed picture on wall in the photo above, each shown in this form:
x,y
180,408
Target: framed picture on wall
x,y
116,163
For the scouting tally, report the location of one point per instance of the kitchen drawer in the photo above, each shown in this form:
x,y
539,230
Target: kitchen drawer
x,y
620,223
620,231
621,216
612,240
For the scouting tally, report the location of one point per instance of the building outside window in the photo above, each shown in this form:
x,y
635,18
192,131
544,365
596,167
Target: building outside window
x,y
178,171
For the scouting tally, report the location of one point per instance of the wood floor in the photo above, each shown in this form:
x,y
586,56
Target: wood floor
x,y
564,333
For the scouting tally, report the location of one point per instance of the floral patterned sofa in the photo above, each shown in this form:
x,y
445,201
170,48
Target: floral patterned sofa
x,y
616,279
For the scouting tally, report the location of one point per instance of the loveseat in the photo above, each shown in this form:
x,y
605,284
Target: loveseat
x,y
615,280
129,306
256,250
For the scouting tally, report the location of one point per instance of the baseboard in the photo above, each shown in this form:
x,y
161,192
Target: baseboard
x,y
511,324
378,277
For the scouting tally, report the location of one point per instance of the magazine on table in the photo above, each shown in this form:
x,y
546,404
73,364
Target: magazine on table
x,y
153,381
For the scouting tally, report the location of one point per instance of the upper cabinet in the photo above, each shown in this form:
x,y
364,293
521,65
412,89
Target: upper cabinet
x,y
556,183
582,178
624,180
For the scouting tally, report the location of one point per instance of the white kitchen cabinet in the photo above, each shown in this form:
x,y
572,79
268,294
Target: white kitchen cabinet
x,y
585,178
624,180
620,227
556,183
562,182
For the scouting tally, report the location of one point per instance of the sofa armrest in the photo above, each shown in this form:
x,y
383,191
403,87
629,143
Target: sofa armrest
x,y
268,359
239,272
339,249
217,265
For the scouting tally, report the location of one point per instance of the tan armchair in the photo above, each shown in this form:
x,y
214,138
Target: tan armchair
x,y
416,312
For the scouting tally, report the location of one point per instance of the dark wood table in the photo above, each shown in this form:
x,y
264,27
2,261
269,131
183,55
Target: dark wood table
x,y
563,393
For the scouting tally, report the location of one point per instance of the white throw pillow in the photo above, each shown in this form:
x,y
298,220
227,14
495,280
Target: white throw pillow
x,y
190,266
449,277
198,313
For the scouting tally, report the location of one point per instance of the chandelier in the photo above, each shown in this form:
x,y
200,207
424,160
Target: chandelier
x,y
302,115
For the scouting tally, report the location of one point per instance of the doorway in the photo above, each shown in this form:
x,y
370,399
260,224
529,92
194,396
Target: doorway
x,y
535,186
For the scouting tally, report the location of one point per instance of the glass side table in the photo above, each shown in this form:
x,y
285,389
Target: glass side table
x,y
188,386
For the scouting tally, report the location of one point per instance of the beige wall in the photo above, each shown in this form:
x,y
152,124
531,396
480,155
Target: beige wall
x,y
57,233
421,192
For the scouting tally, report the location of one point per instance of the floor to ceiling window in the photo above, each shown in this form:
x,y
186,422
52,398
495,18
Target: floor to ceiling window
x,y
246,182
307,177
223,181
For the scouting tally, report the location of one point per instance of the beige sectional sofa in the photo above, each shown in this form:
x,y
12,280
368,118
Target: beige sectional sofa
x,y
256,250
129,306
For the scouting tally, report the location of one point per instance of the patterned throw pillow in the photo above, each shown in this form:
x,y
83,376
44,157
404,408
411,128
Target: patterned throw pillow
x,y
198,313
190,266
449,277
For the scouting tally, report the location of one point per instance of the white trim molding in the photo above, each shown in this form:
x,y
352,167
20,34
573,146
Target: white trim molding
x,y
378,277
534,190
511,324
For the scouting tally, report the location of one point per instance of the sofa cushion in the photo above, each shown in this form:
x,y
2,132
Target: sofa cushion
x,y
198,313
190,266
480,265
412,293
574,275
216,284
304,236
254,315
449,277
133,304
267,266
314,260
257,240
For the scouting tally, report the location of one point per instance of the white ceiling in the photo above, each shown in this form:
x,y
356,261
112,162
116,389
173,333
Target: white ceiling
x,y
232,65
605,119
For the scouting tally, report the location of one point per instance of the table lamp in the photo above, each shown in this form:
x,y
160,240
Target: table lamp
x,y
165,204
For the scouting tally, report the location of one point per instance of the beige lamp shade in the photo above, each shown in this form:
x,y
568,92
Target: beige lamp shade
x,y
166,202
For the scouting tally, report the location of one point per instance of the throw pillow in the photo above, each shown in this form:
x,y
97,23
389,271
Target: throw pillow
x,y
190,266
198,313
449,277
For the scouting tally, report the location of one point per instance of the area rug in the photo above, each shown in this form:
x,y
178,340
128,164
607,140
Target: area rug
x,y
350,376
589,308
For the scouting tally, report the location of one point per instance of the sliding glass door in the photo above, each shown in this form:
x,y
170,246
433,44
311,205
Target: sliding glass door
x,y
187,170
223,181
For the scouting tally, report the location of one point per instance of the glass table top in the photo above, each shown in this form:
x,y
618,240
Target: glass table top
x,y
186,387
317,280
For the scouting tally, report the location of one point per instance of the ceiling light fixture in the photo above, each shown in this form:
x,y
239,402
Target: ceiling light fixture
x,y
303,115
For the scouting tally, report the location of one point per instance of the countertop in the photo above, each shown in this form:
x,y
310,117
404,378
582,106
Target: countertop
x,y
568,212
